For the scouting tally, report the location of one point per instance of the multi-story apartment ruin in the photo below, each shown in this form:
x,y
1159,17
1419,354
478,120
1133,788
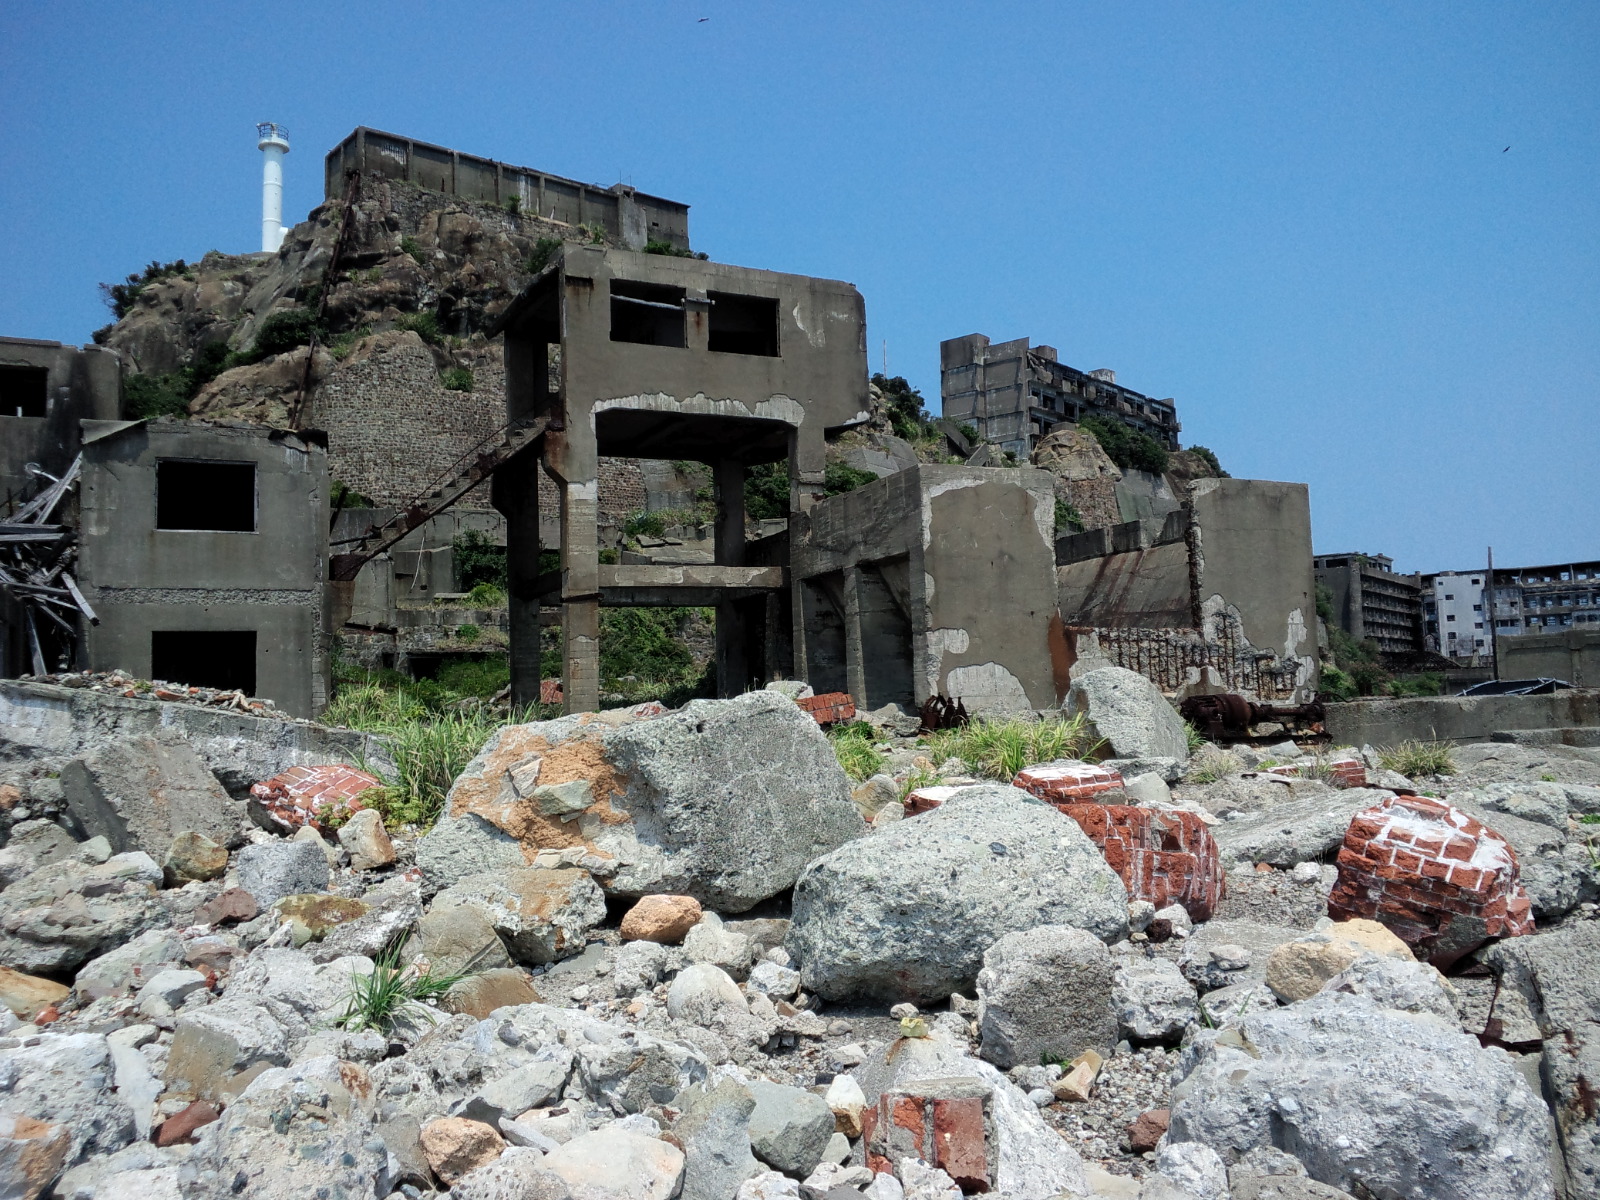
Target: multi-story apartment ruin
x,y
1013,394
1373,603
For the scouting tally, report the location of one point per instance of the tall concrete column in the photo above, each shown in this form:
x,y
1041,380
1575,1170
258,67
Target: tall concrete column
x,y
855,663
515,492
580,595
733,666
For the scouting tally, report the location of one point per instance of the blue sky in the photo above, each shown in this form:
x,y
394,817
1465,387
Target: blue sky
x,y
1298,220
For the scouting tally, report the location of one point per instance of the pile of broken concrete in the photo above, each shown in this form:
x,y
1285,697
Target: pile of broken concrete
x,y
648,954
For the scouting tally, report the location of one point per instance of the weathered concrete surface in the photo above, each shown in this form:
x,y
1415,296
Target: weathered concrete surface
x,y
1459,718
937,580
140,793
52,725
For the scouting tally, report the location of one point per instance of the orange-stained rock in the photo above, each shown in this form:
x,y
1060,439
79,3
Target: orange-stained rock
x,y
664,919
28,995
32,1153
480,994
454,1145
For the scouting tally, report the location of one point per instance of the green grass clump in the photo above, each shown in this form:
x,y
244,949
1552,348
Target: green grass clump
x,y
998,749
1415,759
486,595
853,745
1211,764
378,1001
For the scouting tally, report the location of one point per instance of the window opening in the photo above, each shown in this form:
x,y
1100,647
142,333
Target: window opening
x,y
24,392
215,497
650,314
209,658
744,324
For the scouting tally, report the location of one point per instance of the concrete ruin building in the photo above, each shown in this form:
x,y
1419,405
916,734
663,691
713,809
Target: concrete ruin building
x,y
1014,394
1371,602
1215,596
582,379
1545,619
670,358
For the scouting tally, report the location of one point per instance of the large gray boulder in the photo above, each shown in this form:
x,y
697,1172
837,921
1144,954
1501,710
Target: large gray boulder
x,y
714,1132
1307,829
142,792
908,913
1555,977
1555,870
57,918
1371,1100
272,870
789,1127
68,1079
541,914
1045,991
1130,713
722,800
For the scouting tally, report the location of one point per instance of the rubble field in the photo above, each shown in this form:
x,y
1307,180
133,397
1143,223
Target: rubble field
x,y
649,953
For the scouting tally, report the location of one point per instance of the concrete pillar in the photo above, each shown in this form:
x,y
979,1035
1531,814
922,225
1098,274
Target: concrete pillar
x,y
580,595
733,667
515,493
854,652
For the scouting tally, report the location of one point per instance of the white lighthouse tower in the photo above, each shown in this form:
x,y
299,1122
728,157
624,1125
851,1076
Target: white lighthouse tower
x,y
273,144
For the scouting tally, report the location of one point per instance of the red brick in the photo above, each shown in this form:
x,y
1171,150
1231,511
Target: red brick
x,y
959,1145
1164,857
300,796
1067,783
1404,862
830,707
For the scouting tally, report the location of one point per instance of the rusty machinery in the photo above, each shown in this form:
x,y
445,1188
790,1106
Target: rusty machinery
x,y
1228,717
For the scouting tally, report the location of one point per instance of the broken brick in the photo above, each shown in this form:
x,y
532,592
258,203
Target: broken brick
x,y
304,796
1453,887
830,707
946,1122
1163,856
1066,783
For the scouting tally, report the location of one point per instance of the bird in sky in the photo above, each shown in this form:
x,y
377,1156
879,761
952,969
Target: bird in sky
x,y
703,20
1503,151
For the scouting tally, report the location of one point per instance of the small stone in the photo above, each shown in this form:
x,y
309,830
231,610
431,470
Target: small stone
x,y
663,919
1146,1132
312,917
367,841
846,1100
455,1145
191,857
179,1129
327,849
902,1011
228,908
166,991
274,870
1306,873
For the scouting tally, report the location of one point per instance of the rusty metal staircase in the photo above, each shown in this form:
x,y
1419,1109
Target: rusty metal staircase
x,y
465,474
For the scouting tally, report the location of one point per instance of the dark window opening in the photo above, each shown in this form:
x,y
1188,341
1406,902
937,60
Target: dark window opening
x,y
224,660
206,496
648,313
743,324
24,392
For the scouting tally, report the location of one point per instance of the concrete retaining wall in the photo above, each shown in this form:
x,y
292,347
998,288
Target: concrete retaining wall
x,y
1459,718
41,721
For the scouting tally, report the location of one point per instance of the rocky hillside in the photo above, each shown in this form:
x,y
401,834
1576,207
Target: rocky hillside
x,y
223,334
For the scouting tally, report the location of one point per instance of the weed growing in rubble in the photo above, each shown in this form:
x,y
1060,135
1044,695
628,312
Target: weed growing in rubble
x,y
1417,759
854,746
1212,764
456,379
378,1001
998,749
1192,737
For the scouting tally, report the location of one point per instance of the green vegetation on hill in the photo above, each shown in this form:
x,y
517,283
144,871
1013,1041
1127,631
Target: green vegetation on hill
x,y
1130,449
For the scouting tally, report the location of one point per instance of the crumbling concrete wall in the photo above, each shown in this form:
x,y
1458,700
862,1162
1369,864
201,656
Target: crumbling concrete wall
x,y
1214,597
80,385
1460,718
1572,655
143,580
933,581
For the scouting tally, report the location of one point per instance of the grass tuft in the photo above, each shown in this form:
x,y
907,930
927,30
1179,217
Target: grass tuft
x,y
379,1000
1416,759
1211,764
998,749
853,745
